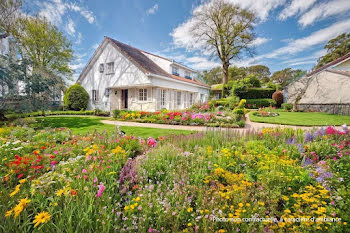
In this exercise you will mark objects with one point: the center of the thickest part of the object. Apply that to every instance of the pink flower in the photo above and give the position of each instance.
(85, 177)
(95, 179)
(101, 188)
(151, 142)
(55, 152)
(84, 171)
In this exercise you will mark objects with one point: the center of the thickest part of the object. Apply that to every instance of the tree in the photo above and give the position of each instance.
(225, 30)
(237, 73)
(262, 72)
(44, 45)
(286, 76)
(76, 97)
(336, 48)
(9, 13)
(213, 76)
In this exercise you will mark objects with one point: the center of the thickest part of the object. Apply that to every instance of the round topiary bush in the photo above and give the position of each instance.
(278, 97)
(76, 97)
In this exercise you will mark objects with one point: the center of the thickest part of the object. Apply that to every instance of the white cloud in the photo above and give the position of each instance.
(302, 63)
(259, 41)
(77, 66)
(295, 7)
(316, 38)
(305, 59)
(152, 10)
(95, 46)
(323, 11)
(70, 28)
(261, 8)
(79, 38)
(55, 9)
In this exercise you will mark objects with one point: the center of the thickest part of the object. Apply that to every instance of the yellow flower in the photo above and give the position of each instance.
(261, 203)
(24, 202)
(189, 210)
(287, 211)
(22, 181)
(8, 213)
(59, 192)
(15, 191)
(222, 231)
(137, 199)
(189, 224)
(285, 198)
(18, 209)
(42, 217)
(126, 207)
(247, 204)
(241, 205)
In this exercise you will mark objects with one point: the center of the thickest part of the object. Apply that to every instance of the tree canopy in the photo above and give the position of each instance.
(286, 76)
(336, 48)
(225, 29)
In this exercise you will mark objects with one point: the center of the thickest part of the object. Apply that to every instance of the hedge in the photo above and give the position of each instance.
(48, 113)
(255, 93)
(258, 103)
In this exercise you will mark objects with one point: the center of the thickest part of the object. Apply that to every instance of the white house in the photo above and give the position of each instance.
(326, 89)
(119, 76)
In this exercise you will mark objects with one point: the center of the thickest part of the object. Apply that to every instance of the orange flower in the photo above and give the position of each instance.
(73, 192)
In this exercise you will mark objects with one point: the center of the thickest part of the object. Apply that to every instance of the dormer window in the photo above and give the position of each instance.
(188, 75)
(175, 71)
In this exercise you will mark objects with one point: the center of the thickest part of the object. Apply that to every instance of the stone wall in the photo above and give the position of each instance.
(340, 109)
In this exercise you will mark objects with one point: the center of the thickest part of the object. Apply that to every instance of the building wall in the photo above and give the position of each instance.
(343, 66)
(125, 74)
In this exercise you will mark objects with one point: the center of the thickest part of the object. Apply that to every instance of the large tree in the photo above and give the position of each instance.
(262, 72)
(45, 46)
(225, 29)
(9, 13)
(336, 48)
(286, 76)
(213, 76)
(237, 73)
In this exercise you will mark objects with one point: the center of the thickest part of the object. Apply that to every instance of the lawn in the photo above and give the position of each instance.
(303, 119)
(84, 125)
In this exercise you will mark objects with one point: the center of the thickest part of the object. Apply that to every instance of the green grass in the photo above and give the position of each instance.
(84, 125)
(303, 119)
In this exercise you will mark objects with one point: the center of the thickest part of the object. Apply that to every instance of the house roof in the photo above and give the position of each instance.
(342, 72)
(330, 64)
(146, 64)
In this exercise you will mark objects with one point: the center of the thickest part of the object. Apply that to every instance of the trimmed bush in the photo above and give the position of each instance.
(259, 103)
(278, 97)
(116, 113)
(254, 93)
(76, 97)
(287, 107)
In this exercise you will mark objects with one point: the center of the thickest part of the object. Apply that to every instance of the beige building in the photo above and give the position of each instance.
(326, 89)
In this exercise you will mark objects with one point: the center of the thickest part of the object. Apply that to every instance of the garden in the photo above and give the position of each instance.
(275, 180)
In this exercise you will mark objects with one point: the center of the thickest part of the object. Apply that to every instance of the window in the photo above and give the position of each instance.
(142, 94)
(178, 98)
(94, 95)
(191, 98)
(110, 68)
(188, 75)
(162, 97)
(175, 71)
(107, 92)
(202, 98)
(101, 68)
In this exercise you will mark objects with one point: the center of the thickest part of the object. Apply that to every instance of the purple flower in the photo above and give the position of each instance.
(308, 137)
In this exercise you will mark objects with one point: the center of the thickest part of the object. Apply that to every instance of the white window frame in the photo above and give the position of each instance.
(143, 94)
(162, 97)
(94, 95)
(110, 68)
(188, 74)
(191, 99)
(178, 98)
(175, 70)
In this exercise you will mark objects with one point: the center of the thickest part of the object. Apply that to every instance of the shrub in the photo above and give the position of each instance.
(99, 112)
(116, 113)
(254, 93)
(287, 107)
(238, 111)
(258, 103)
(278, 97)
(76, 97)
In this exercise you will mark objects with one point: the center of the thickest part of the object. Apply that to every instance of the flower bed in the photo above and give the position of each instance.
(266, 112)
(277, 180)
(214, 119)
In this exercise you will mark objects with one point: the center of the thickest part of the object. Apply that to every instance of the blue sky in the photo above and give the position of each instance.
(289, 33)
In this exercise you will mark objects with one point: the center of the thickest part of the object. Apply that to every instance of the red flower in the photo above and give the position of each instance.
(73, 192)
(20, 176)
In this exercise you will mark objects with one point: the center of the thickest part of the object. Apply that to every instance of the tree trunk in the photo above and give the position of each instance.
(225, 66)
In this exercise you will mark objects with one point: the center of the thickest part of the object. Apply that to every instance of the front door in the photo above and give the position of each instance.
(125, 99)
